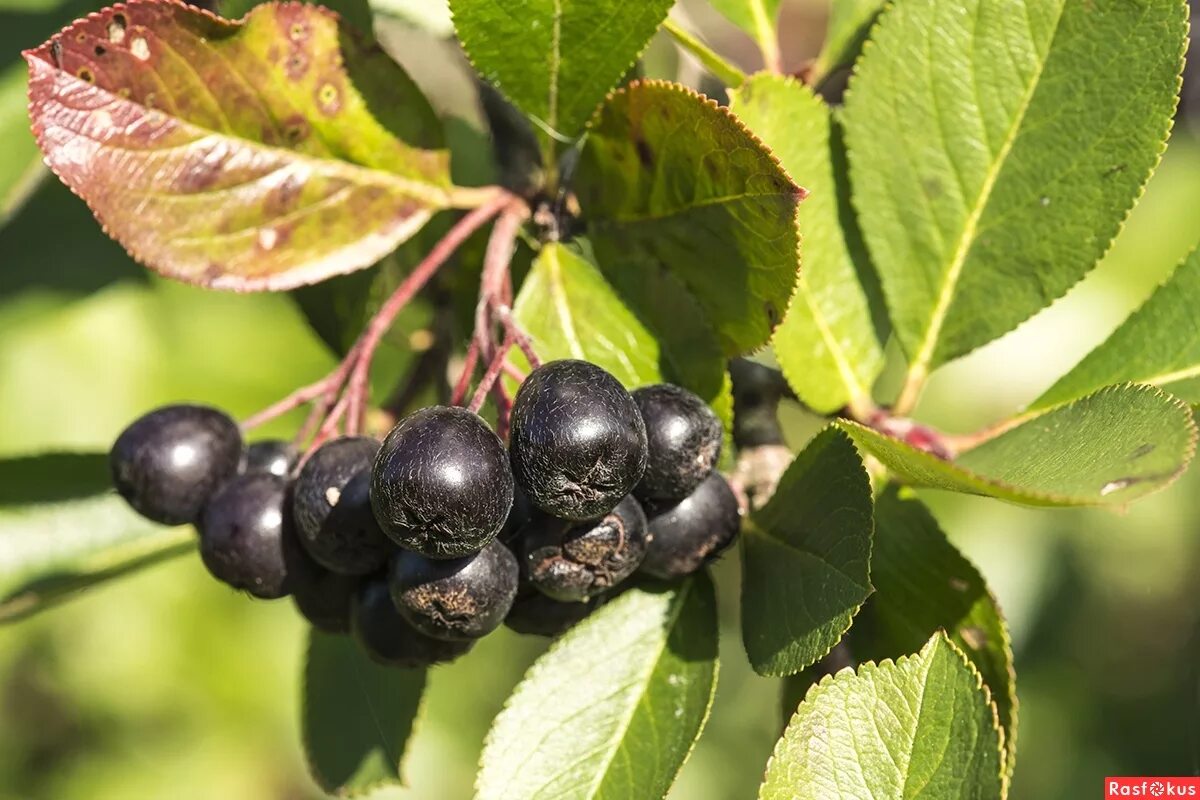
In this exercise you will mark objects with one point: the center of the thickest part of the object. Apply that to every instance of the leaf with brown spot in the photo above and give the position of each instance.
(260, 154)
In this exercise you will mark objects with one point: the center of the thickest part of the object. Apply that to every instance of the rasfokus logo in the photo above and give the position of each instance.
(1143, 786)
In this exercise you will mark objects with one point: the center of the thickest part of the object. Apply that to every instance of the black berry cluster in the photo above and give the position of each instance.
(424, 543)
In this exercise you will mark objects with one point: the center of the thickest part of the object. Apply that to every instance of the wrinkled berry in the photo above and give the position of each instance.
(441, 485)
(331, 499)
(574, 561)
(246, 538)
(686, 535)
(578, 443)
(168, 463)
(684, 441)
(388, 639)
(460, 598)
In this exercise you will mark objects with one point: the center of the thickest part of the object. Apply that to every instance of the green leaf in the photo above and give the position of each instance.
(1159, 344)
(920, 727)
(994, 157)
(262, 154)
(923, 585)
(358, 716)
(673, 184)
(826, 345)
(613, 709)
(21, 168)
(760, 19)
(61, 531)
(1107, 449)
(849, 23)
(556, 59)
(712, 61)
(806, 558)
(570, 311)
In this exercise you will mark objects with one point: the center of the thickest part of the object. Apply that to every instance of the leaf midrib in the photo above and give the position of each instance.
(921, 362)
(614, 744)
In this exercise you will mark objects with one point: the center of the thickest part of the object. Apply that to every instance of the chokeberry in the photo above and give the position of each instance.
(441, 485)
(272, 455)
(168, 463)
(331, 500)
(518, 515)
(684, 438)
(687, 534)
(246, 537)
(577, 560)
(323, 597)
(536, 614)
(460, 598)
(578, 443)
(388, 639)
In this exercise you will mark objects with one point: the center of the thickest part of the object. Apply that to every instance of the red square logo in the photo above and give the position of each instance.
(1151, 787)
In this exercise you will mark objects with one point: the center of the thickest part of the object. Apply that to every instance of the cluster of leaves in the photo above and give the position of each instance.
(983, 160)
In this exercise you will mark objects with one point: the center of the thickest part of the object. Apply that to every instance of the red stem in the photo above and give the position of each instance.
(464, 380)
(493, 372)
(504, 314)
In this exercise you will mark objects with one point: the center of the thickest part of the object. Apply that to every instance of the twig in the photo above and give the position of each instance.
(493, 372)
(464, 379)
(504, 314)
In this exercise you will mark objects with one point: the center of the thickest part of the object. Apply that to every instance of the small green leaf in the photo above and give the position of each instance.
(672, 183)
(994, 156)
(826, 345)
(806, 558)
(923, 585)
(922, 727)
(570, 311)
(358, 716)
(613, 709)
(721, 69)
(1159, 344)
(62, 531)
(1107, 449)
(556, 59)
(262, 154)
(849, 23)
(759, 18)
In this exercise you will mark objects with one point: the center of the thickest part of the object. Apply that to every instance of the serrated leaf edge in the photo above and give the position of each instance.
(1023, 496)
(871, 667)
(750, 527)
(294, 278)
(869, 44)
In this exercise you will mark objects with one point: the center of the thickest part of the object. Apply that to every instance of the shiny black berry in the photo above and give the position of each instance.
(331, 500)
(578, 443)
(323, 597)
(272, 455)
(536, 614)
(441, 485)
(388, 639)
(520, 513)
(684, 438)
(246, 538)
(577, 560)
(686, 535)
(168, 463)
(460, 598)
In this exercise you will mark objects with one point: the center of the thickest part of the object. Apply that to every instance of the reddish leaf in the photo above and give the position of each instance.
(239, 155)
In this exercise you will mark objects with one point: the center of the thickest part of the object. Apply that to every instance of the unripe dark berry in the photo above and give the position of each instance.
(578, 443)
(460, 598)
(573, 561)
(535, 614)
(168, 463)
(388, 639)
(246, 538)
(272, 455)
(331, 500)
(441, 485)
(322, 597)
(686, 535)
(684, 441)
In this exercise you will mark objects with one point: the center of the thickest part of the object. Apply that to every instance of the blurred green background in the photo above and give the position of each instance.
(166, 684)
